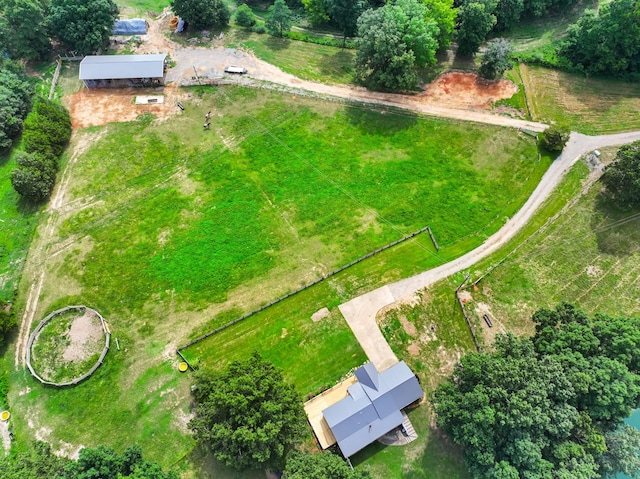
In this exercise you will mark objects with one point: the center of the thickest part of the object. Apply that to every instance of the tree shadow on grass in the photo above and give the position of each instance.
(277, 44)
(207, 467)
(341, 62)
(617, 231)
(380, 120)
(440, 458)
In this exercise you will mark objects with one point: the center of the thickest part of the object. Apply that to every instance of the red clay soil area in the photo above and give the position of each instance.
(95, 107)
(466, 90)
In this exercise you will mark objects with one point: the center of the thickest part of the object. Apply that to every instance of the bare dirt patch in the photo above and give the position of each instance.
(85, 336)
(467, 90)
(99, 106)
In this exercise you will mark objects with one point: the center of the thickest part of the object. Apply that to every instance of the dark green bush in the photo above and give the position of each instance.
(244, 16)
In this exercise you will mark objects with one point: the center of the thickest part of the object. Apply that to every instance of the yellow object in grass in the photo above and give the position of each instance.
(183, 367)
(5, 415)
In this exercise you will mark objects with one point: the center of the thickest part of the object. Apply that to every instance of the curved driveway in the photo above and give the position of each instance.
(361, 312)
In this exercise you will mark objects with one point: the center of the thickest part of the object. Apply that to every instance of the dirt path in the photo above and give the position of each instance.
(35, 266)
(453, 95)
(361, 312)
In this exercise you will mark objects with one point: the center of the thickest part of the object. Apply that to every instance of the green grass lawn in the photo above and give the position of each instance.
(305, 60)
(18, 220)
(143, 6)
(587, 105)
(589, 256)
(171, 230)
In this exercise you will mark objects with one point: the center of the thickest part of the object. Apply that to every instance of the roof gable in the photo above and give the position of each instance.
(372, 407)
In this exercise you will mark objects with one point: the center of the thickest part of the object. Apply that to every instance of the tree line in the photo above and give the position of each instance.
(27, 26)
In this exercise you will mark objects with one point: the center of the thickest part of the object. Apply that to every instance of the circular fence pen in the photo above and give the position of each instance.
(36, 333)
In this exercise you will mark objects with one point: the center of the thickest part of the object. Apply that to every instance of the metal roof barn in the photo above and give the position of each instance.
(96, 69)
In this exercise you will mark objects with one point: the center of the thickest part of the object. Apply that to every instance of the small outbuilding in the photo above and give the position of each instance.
(100, 71)
(373, 406)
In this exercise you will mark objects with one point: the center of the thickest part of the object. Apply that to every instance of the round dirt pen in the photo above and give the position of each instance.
(34, 335)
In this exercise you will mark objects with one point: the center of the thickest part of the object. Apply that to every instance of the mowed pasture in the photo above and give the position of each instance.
(169, 229)
(587, 105)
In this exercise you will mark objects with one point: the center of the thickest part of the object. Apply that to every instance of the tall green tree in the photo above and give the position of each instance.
(546, 406)
(444, 14)
(508, 13)
(326, 465)
(82, 25)
(621, 178)
(392, 41)
(28, 24)
(345, 14)
(475, 20)
(247, 415)
(201, 14)
(623, 452)
(278, 19)
(554, 138)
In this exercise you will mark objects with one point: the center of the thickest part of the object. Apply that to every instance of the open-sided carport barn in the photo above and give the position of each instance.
(98, 71)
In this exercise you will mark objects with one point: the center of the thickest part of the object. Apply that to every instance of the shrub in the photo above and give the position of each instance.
(47, 129)
(554, 138)
(496, 59)
(244, 16)
(32, 183)
(259, 29)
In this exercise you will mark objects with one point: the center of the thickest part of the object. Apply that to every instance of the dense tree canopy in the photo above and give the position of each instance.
(392, 41)
(475, 20)
(345, 14)
(278, 19)
(82, 25)
(16, 91)
(622, 177)
(320, 466)
(547, 406)
(608, 42)
(99, 463)
(247, 414)
(28, 27)
(202, 14)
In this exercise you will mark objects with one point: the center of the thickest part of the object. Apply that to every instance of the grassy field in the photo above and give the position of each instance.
(170, 230)
(589, 256)
(18, 221)
(431, 335)
(587, 105)
(305, 60)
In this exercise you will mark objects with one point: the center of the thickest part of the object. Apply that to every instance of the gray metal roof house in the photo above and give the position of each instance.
(372, 407)
(122, 70)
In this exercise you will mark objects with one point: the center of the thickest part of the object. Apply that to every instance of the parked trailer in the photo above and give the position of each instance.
(238, 70)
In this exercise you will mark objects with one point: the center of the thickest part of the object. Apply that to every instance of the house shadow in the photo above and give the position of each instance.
(617, 231)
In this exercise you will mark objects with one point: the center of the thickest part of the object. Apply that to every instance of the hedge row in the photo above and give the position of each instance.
(46, 132)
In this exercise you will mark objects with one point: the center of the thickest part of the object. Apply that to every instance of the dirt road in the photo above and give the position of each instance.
(454, 95)
(361, 312)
